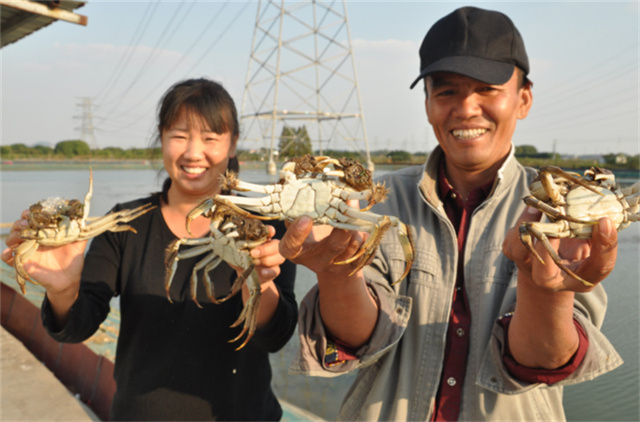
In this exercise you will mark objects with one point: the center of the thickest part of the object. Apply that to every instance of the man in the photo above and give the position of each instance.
(467, 335)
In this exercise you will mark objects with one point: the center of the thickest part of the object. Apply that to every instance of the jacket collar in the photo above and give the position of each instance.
(428, 185)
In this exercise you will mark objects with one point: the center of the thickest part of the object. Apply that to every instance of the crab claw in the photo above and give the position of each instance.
(203, 208)
(547, 181)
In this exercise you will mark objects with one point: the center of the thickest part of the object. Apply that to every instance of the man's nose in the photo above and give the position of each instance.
(468, 106)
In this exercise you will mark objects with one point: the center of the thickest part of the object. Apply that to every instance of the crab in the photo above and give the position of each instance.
(320, 187)
(231, 240)
(56, 221)
(574, 204)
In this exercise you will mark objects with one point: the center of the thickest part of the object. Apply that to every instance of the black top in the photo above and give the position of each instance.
(173, 360)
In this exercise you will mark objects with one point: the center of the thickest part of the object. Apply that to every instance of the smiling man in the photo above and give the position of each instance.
(478, 330)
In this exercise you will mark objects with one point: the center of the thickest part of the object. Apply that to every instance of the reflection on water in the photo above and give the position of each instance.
(613, 396)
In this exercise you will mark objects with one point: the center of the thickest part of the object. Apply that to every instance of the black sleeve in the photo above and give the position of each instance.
(100, 281)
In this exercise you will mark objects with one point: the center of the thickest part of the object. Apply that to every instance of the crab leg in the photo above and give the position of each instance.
(254, 204)
(87, 198)
(550, 187)
(173, 255)
(110, 222)
(241, 186)
(553, 212)
(249, 314)
(21, 255)
(237, 285)
(527, 229)
(377, 232)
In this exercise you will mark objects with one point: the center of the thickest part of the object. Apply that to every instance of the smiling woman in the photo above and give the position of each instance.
(173, 359)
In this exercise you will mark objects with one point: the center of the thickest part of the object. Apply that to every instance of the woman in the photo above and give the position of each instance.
(173, 360)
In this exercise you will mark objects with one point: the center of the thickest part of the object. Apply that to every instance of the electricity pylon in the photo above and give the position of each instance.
(86, 123)
(301, 69)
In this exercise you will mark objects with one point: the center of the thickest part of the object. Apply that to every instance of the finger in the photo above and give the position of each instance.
(7, 256)
(604, 252)
(14, 239)
(292, 241)
(348, 245)
(512, 247)
(267, 255)
(267, 274)
(548, 273)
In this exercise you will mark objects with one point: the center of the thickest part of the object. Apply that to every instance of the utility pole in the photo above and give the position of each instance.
(86, 125)
(301, 69)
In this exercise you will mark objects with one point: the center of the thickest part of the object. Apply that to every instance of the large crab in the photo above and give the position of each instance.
(231, 240)
(574, 204)
(57, 221)
(320, 187)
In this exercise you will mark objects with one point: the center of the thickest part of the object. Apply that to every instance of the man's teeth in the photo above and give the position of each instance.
(468, 133)
(194, 170)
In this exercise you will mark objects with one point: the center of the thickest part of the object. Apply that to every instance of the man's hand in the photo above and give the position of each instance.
(592, 259)
(348, 311)
(320, 247)
(542, 333)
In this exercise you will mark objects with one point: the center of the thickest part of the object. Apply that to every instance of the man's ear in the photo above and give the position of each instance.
(526, 100)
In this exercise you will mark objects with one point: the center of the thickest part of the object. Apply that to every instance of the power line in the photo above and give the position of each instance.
(124, 59)
(209, 25)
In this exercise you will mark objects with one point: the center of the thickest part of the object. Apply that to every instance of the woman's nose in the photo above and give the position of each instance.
(195, 148)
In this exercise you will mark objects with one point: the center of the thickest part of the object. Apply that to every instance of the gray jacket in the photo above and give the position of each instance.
(400, 366)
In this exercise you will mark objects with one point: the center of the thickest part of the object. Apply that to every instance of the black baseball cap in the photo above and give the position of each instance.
(481, 44)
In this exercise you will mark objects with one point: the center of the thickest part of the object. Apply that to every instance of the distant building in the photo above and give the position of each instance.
(621, 159)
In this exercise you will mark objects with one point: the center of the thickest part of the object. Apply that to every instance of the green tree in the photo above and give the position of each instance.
(5, 152)
(43, 151)
(526, 150)
(72, 148)
(294, 142)
(20, 149)
(609, 158)
(399, 156)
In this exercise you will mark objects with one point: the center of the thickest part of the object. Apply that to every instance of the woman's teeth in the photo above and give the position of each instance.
(194, 170)
(468, 133)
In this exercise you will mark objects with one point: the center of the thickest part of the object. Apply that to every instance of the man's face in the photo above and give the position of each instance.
(474, 121)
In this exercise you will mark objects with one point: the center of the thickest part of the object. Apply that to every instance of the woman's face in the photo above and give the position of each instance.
(194, 156)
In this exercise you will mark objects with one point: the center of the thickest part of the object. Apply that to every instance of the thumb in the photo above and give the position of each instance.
(292, 241)
(604, 251)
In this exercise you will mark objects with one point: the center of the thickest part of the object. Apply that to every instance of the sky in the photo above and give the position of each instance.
(583, 56)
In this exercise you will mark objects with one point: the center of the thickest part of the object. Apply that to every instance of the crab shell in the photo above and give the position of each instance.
(589, 207)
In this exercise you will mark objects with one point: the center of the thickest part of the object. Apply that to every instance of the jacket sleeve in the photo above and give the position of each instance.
(279, 330)
(393, 316)
(600, 357)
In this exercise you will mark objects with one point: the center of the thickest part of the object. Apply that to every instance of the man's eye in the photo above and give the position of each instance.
(445, 93)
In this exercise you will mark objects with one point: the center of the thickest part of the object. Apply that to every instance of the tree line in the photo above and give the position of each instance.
(75, 149)
(295, 142)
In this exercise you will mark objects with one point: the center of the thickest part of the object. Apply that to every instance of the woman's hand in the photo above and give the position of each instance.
(57, 268)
